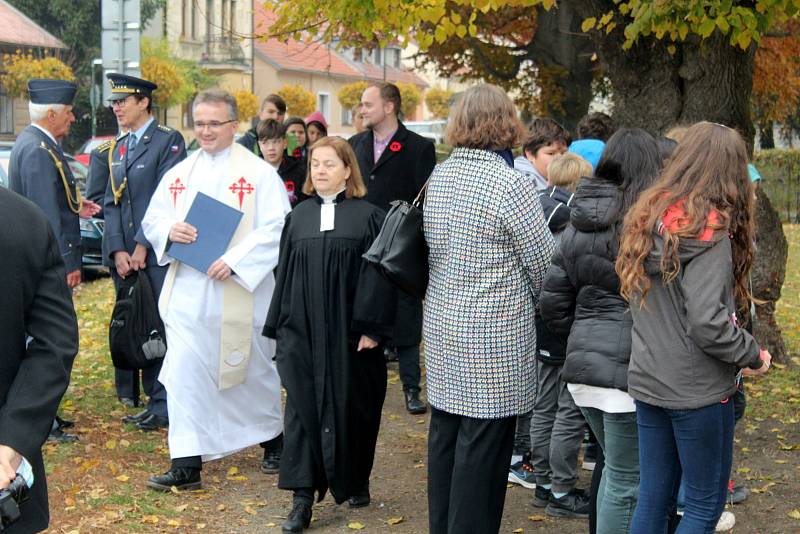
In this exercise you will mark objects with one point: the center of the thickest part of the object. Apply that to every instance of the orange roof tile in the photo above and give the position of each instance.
(17, 29)
(318, 57)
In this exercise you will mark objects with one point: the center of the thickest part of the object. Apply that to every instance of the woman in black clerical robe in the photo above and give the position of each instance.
(329, 312)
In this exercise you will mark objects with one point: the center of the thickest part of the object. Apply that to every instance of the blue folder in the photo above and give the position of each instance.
(216, 223)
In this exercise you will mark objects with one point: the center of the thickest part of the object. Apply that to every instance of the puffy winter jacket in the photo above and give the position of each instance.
(580, 296)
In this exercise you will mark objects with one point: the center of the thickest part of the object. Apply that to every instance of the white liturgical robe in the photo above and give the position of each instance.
(204, 418)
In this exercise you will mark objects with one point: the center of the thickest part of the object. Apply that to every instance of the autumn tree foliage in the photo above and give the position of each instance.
(300, 101)
(410, 98)
(349, 94)
(22, 66)
(247, 103)
(178, 79)
(776, 81)
(438, 101)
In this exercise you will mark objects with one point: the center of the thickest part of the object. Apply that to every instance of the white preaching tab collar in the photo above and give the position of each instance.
(327, 211)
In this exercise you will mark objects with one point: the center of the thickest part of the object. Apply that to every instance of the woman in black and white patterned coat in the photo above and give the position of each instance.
(489, 250)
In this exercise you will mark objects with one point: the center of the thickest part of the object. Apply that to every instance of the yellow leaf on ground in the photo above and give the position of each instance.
(150, 519)
(518, 531)
(220, 508)
(355, 525)
(233, 471)
(536, 517)
(124, 443)
(111, 444)
(181, 508)
(200, 526)
(794, 514)
(394, 520)
(174, 523)
(743, 470)
(250, 511)
(270, 525)
(123, 478)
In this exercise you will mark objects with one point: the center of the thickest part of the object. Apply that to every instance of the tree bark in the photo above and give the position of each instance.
(768, 274)
(559, 43)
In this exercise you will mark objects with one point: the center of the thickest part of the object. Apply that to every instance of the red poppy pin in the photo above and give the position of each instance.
(395, 146)
(122, 149)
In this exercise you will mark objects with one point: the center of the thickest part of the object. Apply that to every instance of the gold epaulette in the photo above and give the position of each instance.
(105, 145)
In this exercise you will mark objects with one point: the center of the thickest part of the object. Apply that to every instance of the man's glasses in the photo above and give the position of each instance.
(212, 125)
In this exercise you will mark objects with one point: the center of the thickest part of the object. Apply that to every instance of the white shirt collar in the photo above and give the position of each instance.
(46, 131)
(217, 158)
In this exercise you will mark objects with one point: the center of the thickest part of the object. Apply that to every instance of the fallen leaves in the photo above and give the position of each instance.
(355, 525)
(394, 520)
(794, 514)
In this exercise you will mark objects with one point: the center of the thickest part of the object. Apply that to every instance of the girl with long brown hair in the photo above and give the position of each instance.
(683, 265)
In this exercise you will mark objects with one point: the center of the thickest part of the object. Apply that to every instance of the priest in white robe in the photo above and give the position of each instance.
(221, 381)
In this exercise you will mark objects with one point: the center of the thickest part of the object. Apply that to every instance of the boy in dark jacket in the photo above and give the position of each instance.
(557, 425)
(272, 144)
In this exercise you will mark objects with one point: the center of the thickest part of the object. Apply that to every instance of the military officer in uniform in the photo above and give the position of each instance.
(38, 170)
(137, 160)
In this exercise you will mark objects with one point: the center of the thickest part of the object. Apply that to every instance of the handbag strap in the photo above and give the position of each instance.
(421, 195)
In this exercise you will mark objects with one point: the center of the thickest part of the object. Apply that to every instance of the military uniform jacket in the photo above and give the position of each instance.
(97, 180)
(33, 174)
(34, 374)
(399, 174)
(159, 149)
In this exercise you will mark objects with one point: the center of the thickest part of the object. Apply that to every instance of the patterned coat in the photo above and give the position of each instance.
(489, 250)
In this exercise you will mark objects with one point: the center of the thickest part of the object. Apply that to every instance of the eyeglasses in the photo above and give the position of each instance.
(212, 125)
(119, 103)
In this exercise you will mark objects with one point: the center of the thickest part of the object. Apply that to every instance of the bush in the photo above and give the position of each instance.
(22, 66)
(780, 173)
(247, 104)
(349, 95)
(300, 102)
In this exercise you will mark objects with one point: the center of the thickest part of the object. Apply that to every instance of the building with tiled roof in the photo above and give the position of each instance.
(18, 32)
(322, 70)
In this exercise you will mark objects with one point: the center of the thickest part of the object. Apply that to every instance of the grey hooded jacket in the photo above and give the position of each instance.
(686, 344)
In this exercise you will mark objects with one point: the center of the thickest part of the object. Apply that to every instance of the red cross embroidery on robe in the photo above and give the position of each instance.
(176, 188)
(240, 187)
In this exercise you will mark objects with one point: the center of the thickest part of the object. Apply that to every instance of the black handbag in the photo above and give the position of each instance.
(400, 251)
(136, 334)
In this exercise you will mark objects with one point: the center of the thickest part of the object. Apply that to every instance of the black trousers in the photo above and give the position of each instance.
(408, 362)
(467, 472)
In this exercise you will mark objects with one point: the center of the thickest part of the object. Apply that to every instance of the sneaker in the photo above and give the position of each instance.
(541, 497)
(522, 473)
(574, 504)
(737, 494)
(589, 457)
(726, 522)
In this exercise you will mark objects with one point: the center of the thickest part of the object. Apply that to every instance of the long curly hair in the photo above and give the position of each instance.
(707, 171)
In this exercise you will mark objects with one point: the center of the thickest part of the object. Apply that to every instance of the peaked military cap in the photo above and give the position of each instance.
(42, 91)
(123, 85)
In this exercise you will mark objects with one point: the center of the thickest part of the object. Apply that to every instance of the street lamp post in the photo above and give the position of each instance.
(94, 96)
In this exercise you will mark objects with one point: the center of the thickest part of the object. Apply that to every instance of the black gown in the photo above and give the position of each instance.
(326, 296)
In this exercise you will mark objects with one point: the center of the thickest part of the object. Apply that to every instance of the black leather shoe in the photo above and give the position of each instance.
(359, 501)
(390, 353)
(136, 418)
(182, 478)
(271, 463)
(59, 436)
(127, 401)
(414, 404)
(64, 423)
(299, 518)
(152, 422)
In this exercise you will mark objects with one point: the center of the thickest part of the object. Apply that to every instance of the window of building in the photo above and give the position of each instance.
(224, 19)
(377, 56)
(232, 24)
(193, 8)
(6, 113)
(347, 116)
(324, 104)
(186, 114)
(393, 57)
(184, 18)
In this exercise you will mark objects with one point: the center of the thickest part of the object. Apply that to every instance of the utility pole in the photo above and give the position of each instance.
(120, 38)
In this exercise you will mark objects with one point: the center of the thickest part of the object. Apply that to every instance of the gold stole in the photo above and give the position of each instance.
(237, 302)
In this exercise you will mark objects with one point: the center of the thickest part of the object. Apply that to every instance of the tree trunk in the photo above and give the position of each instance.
(766, 135)
(705, 79)
(769, 271)
(558, 42)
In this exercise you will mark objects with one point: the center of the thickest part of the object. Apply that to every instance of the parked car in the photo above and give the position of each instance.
(91, 229)
(433, 130)
(86, 150)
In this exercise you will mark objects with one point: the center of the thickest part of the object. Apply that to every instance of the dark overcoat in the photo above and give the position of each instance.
(399, 174)
(39, 340)
(159, 149)
(33, 173)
